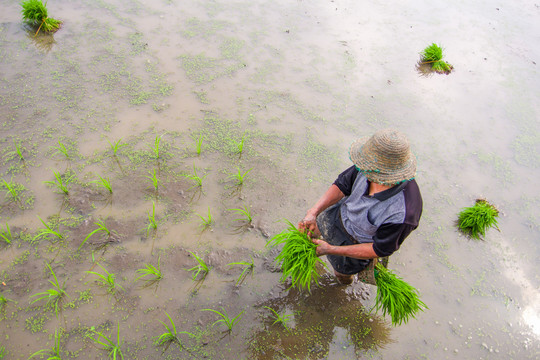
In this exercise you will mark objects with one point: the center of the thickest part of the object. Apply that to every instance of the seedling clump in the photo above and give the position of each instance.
(475, 220)
(433, 55)
(298, 258)
(396, 297)
(35, 13)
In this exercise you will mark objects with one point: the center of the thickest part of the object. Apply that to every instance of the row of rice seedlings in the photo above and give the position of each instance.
(226, 318)
(48, 232)
(475, 220)
(248, 269)
(35, 13)
(61, 183)
(53, 295)
(6, 235)
(283, 319)
(396, 297)
(298, 258)
(201, 268)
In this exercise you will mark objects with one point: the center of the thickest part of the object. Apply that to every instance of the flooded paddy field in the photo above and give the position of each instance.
(189, 110)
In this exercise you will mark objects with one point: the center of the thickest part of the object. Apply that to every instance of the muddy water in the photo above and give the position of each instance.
(298, 82)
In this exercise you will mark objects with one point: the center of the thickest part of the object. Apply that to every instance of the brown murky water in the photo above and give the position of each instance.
(297, 82)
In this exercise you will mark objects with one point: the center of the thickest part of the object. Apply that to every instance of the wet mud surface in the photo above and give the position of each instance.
(171, 102)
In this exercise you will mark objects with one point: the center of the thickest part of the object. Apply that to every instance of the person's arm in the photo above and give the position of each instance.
(358, 251)
(329, 198)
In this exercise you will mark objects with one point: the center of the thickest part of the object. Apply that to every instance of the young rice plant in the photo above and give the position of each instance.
(152, 271)
(475, 220)
(101, 228)
(51, 354)
(298, 258)
(48, 232)
(248, 268)
(6, 235)
(108, 280)
(53, 295)
(171, 336)
(396, 297)
(280, 318)
(113, 348)
(200, 268)
(226, 319)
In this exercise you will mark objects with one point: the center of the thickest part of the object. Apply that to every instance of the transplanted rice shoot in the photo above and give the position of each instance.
(475, 220)
(395, 297)
(298, 258)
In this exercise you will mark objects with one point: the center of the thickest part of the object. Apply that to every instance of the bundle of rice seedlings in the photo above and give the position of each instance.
(475, 220)
(433, 55)
(298, 258)
(34, 12)
(395, 297)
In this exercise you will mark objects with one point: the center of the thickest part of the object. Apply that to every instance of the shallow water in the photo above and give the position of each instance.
(298, 82)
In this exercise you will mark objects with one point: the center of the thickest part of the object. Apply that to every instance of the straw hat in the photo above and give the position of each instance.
(384, 158)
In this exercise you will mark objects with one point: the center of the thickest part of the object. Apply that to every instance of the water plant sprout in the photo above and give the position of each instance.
(114, 348)
(396, 297)
(35, 12)
(47, 232)
(298, 257)
(248, 268)
(152, 271)
(280, 318)
(200, 268)
(475, 220)
(53, 295)
(171, 336)
(108, 280)
(433, 55)
(52, 353)
(226, 319)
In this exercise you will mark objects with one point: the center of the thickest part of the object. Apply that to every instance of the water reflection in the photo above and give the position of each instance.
(332, 314)
(44, 42)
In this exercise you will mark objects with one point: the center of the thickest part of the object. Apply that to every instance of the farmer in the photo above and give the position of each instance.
(371, 207)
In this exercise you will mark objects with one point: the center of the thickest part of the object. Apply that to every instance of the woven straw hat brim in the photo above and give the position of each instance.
(380, 167)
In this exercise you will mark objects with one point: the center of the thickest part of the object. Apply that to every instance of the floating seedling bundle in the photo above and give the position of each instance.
(35, 13)
(475, 220)
(396, 297)
(298, 258)
(433, 55)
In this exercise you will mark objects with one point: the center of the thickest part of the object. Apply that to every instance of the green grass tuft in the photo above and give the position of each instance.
(298, 258)
(475, 220)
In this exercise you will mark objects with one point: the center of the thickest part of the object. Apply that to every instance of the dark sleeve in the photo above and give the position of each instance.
(389, 237)
(346, 179)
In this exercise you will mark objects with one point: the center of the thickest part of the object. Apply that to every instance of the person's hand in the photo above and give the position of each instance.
(308, 224)
(323, 248)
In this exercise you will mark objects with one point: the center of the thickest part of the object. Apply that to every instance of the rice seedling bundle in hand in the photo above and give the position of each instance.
(475, 220)
(433, 55)
(298, 258)
(35, 13)
(395, 297)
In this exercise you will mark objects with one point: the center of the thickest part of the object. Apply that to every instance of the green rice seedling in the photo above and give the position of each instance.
(206, 222)
(51, 353)
(61, 149)
(53, 295)
(248, 268)
(61, 182)
(280, 318)
(6, 235)
(475, 220)
(171, 336)
(102, 228)
(13, 190)
(433, 55)
(156, 148)
(199, 144)
(2, 352)
(150, 270)
(116, 146)
(200, 268)
(153, 222)
(104, 183)
(239, 146)
(108, 280)
(195, 178)
(239, 178)
(396, 297)
(35, 13)
(114, 348)
(298, 258)
(226, 319)
(48, 232)
(154, 179)
(3, 302)
(244, 214)
(17, 152)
